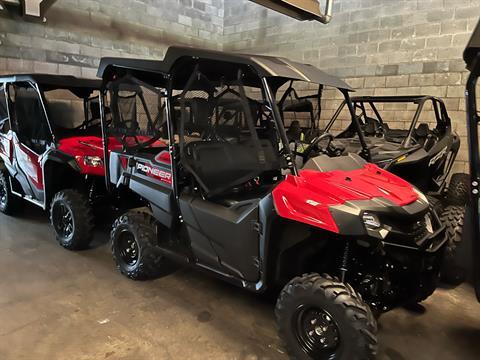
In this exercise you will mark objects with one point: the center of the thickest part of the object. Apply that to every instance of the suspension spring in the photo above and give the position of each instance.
(344, 267)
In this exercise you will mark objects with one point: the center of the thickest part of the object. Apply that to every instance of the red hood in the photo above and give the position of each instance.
(308, 197)
(85, 146)
(82, 146)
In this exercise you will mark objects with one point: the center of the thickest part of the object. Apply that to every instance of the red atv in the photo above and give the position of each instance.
(51, 151)
(344, 239)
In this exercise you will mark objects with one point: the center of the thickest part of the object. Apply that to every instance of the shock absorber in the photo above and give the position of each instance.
(346, 255)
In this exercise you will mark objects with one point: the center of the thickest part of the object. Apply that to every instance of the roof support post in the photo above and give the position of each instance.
(365, 150)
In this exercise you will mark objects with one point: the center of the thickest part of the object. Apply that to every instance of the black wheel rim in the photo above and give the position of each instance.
(127, 248)
(3, 193)
(63, 220)
(317, 332)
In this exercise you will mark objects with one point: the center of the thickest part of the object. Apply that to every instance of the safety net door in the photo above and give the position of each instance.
(5, 133)
(32, 137)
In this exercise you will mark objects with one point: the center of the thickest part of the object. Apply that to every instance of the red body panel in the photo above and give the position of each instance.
(79, 147)
(30, 164)
(307, 198)
(164, 157)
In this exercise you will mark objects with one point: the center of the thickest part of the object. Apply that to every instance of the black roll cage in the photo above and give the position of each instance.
(40, 83)
(441, 114)
(265, 72)
(169, 84)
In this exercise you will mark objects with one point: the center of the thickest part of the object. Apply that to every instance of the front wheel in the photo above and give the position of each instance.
(134, 246)
(9, 203)
(72, 219)
(322, 318)
(453, 272)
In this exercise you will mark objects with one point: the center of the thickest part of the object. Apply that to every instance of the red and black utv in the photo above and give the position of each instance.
(471, 56)
(344, 239)
(51, 151)
(410, 136)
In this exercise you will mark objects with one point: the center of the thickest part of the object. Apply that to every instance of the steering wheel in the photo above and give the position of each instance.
(211, 134)
(313, 146)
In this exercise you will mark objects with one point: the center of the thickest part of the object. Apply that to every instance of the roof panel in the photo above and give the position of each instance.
(78, 86)
(265, 66)
(473, 47)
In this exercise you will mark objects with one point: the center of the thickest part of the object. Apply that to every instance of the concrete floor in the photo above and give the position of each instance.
(56, 304)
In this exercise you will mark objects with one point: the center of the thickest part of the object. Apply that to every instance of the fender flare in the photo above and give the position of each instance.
(61, 159)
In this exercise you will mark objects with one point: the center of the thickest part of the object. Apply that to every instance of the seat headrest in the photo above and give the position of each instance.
(95, 110)
(201, 111)
(295, 124)
(422, 130)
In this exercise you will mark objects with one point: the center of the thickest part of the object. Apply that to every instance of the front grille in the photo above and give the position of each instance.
(410, 232)
(416, 230)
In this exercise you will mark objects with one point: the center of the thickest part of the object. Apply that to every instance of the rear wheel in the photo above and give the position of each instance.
(453, 218)
(458, 192)
(322, 318)
(134, 246)
(9, 203)
(72, 219)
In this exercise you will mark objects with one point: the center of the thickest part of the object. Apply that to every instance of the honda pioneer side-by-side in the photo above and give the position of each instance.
(219, 190)
(410, 136)
(51, 151)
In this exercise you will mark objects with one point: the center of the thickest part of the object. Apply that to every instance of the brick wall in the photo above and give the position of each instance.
(78, 32)
(380, 47)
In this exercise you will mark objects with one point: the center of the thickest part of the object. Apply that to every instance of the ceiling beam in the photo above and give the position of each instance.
(300, 9)
(28, 9)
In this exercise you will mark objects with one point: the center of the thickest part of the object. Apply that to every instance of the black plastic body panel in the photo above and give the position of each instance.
(149, 179)
(231, 232)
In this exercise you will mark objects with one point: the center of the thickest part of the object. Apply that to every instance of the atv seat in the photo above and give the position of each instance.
(372, 126)
(424, 136)
(294, 133)
(394, 135)
(198, 112)
(324, 163)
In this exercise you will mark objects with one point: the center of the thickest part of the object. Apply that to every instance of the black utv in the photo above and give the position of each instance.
(421, 149)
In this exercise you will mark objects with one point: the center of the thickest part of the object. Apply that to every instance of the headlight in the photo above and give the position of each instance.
(421, 195)
(93, 161)
(371, 221)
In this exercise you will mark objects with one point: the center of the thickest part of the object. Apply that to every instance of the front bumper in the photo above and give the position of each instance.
(415, 235)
